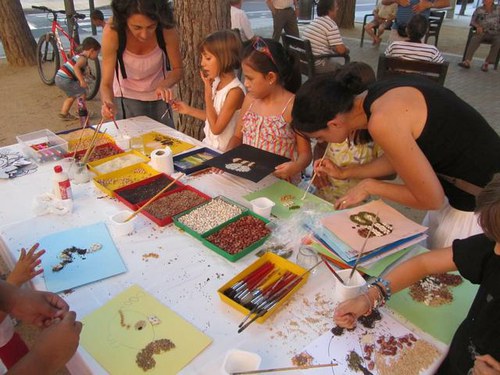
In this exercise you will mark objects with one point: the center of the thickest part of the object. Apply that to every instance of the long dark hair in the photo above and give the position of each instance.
(284, 65)
(158, 10)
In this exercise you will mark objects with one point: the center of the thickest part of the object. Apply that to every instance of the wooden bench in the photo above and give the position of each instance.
(393, 66)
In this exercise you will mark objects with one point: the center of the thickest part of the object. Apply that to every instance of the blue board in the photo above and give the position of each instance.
(83, 268)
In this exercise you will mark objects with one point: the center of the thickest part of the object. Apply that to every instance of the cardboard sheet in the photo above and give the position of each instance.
(93, 265)
(115, 333)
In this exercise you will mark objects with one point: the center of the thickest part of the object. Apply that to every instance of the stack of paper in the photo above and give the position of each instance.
(344, 232)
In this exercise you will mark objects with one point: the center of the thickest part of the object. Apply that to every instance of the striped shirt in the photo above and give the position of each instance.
(414, 51)
(323, 33)
(67, 71)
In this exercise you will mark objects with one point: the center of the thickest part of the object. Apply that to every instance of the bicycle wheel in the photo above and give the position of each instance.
(48, 60)
(93, 78)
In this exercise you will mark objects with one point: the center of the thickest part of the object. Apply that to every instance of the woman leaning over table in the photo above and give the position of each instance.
(141, 60)
(427, 133)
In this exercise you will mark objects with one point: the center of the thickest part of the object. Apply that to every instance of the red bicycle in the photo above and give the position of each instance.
(50, 50)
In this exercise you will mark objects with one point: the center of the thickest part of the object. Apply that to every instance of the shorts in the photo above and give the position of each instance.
(71, 88)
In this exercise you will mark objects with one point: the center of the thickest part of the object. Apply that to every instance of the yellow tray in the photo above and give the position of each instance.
(281, 264)
(110, 182)
(154, 140)
(84, 145)
(93, 166)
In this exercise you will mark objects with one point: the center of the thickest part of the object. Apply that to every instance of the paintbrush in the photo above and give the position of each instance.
(279, 369)
(242, 284)
(98, 138)
(315, 173)
(332, 270)
(153, 199)
(362, 248)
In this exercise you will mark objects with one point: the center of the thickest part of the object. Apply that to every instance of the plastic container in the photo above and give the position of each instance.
(110, 182)
(119, 226)
(43, 146)
(62, 185)
(117, 162)
(350, 289)
(262, 206)
(194, 161)
(237, 360)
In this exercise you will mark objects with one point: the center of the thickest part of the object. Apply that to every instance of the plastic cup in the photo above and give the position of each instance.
(239, 360)
(351, 288)
(118, 224)
(123, 142)
(307, 257)
(262, 206)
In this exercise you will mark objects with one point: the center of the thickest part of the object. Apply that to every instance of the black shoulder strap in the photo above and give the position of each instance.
(161, 43)
(122, 42)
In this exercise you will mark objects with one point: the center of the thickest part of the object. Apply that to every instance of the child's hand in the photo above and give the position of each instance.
(25, 268)
(286, 170)
(83, 84)
(486, 365)
(180, 106)
(321, 181)
(206, 81)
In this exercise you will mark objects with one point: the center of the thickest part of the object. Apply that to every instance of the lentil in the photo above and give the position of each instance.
(144, 358)
(303, 359)
(210, 215)
(174, 203)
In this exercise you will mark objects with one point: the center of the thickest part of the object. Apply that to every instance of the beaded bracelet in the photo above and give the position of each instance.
(380, 300)
(387, 287)
(370, 304)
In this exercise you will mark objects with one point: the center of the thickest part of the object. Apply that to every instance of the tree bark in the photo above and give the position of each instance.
(196, 19)
(345, 14)
(17, 40)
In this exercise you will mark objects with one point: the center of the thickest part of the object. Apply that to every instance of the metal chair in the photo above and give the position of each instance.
(394, 66)
(472, 31)
(436, 18)
(301, 48)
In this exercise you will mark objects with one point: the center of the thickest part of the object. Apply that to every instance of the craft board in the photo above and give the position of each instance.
(112, 336)
(280, 190)
(194, 161)
(345, 225)
(155, 140)
(84, 269)
(248, 162)
(330, 348)
(439, 321)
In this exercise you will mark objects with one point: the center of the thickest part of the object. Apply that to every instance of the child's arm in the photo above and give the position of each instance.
(185, 109)
(232, 103)
(486, 364)
(304, 157)
(25, 268)
(401, 277)
(81, 63)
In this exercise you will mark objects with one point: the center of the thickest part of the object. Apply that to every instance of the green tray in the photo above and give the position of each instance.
(195, 234)
(245, 251)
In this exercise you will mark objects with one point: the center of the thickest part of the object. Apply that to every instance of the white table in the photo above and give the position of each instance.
(185, 277)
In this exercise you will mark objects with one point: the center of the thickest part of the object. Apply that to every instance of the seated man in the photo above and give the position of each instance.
(384, 15)
(324, 36)
(239, 20)
(413, 48)
(97, 18)
(486, 20)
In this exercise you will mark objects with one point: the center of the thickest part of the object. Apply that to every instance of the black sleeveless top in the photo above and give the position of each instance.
(456, 139)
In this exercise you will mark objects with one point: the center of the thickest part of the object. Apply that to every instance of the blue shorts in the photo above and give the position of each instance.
(71, 88)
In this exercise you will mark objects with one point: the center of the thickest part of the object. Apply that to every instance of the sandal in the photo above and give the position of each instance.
(464, 64)
(484, 68)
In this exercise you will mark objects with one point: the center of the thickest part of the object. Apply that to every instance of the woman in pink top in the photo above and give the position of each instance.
(141, 60)
(271, 77)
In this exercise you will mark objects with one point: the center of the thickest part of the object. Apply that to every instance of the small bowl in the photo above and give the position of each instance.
(123, 142)
(239, 360)
(118, 224)
(352, 289)
(262, 206)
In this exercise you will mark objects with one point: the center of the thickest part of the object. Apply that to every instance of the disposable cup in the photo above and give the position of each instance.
(118, 224)
(262, 206)
(239, 360)
(123, 142)
(351, 288)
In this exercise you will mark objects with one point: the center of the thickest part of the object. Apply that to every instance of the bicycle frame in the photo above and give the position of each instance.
(56, 28)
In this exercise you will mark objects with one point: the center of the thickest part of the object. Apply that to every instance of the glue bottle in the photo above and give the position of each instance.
(62, 186)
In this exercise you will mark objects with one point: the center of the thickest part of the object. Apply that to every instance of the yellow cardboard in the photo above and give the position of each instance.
(281, 264)
(154, 140)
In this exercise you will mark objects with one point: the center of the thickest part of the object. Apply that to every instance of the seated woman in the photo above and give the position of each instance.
(413, 48)
(443, 150)
(324, 35)
(486, 20)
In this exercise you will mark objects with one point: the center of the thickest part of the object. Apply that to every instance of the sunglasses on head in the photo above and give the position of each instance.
(261, 46)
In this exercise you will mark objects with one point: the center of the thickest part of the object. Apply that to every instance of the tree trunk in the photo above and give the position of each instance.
(17, 40)
(345, 14)
(195, 20)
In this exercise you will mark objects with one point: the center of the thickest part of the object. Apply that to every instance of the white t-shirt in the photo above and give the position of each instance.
(220, 141)
(323, 33)
(239, 20)
(414, 51)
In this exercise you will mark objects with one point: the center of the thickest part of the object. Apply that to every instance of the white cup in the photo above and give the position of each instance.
(123, 142)
(118, 224)
(351, 288)
(262, 206)
(239, 360)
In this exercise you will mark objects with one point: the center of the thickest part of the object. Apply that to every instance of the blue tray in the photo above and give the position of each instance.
(194, 161)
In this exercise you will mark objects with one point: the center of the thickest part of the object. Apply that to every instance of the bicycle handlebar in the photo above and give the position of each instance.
(54, 12)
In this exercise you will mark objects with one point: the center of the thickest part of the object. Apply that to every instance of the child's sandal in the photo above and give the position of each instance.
(484, 68)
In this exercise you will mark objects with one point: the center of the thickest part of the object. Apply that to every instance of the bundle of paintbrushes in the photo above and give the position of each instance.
(93, 143)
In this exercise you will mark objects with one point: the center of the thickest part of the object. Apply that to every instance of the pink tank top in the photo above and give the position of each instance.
(144, 73)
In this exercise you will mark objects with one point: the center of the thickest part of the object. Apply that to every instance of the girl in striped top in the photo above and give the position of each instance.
(69, 77)
(271, 78)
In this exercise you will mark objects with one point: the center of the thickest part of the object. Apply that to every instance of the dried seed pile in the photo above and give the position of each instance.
(68, 255)
(434, 290)
(239, 235)
(369, 320)
(147, 191)
(103, 151)
(144, 358)
(118, 163)
(136, 175)
(303, 359)
(174, 203)
(210, 215)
